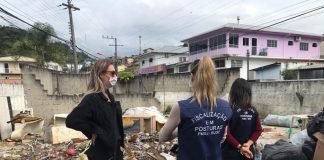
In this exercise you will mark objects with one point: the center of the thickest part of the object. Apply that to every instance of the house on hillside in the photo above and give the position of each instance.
(10, 68)
(230, 44)
(156, 60)
(53, 66)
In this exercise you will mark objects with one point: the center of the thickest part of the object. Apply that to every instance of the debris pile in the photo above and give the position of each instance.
(139, 146)
(145, 146)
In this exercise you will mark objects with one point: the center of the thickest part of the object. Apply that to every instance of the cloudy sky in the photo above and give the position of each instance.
(158, 22)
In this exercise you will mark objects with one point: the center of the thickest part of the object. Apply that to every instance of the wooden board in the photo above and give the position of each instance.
(147, 123)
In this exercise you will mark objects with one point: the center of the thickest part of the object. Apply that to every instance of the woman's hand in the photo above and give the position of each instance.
(248, 144)
(93, 139)
(246, 152)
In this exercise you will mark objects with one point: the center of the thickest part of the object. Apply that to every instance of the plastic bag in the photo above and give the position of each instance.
(280, 121)
(300, 137)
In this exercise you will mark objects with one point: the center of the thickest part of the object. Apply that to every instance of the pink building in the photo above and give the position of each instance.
(228, 46)
(236, 39)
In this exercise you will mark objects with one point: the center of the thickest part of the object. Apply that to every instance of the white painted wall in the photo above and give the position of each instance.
(253, 63)
(13, 67)
(2, 70)
(256, 63)
(16, 94)
(159, 58)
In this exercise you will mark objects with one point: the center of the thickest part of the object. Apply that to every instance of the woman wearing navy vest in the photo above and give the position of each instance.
(244, 127)
(200, 121)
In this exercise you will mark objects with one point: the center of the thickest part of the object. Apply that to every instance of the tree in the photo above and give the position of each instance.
(39, 40)
(36, 44)
(125, 76)
(289, 74)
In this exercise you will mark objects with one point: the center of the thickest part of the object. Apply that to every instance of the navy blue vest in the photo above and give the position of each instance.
(201, 130)
(243, 124)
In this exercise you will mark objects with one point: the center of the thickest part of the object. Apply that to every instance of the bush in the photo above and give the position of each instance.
(126, 75)
(289, 74)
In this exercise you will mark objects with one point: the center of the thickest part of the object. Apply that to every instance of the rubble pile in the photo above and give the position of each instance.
(33, 147)
(145, 146)
(138, 146)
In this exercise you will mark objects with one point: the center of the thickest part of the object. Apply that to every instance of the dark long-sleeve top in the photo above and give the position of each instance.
(96, 115)
(254, 137)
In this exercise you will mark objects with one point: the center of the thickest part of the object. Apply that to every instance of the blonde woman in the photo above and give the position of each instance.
(200, 121)
(99, 116)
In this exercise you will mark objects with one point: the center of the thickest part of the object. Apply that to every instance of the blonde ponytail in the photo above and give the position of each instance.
(205, 82)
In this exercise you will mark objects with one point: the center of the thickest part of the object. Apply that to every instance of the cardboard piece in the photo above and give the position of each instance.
(60, 134)
(319, 154)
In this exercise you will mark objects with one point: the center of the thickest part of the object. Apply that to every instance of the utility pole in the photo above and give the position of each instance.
(140, 49)
(70, 6)
(247, 63)
(115, 59)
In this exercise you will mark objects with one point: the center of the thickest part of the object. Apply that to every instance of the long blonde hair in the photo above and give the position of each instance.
(96, 84)
(204, 82)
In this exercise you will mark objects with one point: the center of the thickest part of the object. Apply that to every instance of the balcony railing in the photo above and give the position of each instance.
(259, 51)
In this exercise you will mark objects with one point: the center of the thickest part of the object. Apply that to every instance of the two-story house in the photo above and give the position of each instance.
(230, 44)
(156, 60)
(10, 72)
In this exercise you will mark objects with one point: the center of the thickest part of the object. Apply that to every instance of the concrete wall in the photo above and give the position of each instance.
(281, 97)
(57, 83)
(158, 90)
(72, 88)
(69, 84)
(288, 97)
(137, 100)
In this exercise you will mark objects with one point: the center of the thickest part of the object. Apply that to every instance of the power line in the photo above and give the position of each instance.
(221, 9)
(282, 21)
(50, 34)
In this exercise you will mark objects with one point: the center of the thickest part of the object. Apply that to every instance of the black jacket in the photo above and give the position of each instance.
(95, 115)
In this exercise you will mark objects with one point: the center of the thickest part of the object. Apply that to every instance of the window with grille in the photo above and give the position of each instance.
(303, 46)
(183, 68)
(233, 40)
(217, 42)
(198, 47)
(272, 43)
(245, 41)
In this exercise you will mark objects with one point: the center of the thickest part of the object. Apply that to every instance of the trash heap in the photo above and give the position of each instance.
(139, 146)
(145, 146)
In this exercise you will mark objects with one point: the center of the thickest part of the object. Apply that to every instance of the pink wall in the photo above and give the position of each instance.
(283, 50)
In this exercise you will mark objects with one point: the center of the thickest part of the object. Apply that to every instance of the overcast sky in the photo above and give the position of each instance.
(159, 22)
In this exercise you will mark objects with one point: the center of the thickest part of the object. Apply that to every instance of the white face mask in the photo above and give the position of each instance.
(113, 81)
(190, 83)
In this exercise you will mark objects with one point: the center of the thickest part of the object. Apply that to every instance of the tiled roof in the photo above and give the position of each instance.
(16, 58)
